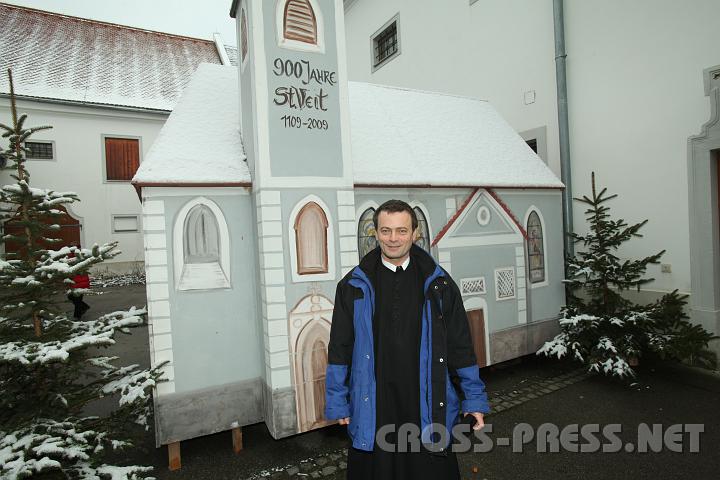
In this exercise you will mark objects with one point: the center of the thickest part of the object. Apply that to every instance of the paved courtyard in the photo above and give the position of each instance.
(531, 391)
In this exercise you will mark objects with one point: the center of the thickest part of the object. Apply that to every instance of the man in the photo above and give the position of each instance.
(400, 354)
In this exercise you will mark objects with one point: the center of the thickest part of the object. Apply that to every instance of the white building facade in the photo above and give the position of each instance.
(108, 210)
(106, 90)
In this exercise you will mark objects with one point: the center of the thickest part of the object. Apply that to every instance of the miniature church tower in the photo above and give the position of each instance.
(295, 129)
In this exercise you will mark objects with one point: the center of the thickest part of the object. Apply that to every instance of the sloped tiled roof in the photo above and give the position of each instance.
(72, 59)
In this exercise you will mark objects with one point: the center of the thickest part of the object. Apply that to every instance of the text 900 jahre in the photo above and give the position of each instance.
(304, 96)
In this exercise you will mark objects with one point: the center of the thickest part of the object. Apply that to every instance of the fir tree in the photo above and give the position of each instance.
(596, 269)
(600, 326)
(47, 374)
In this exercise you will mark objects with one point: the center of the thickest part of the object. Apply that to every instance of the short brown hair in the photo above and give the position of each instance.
(395, 206)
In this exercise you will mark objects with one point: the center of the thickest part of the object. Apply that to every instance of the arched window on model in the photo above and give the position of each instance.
(201, 236)
(299, 22)
(536, 250)
(424, 240)
(201, 247)
(311, 230)
(366, 233)
(243, 35)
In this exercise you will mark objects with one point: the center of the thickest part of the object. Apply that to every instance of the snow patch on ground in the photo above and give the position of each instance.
(119, 280)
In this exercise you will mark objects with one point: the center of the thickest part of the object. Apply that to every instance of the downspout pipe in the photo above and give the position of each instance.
(563, 126)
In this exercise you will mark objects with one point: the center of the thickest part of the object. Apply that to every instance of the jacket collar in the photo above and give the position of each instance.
(428, 268)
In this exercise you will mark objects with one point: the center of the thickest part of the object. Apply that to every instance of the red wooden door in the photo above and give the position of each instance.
(476, 320)
(69, 233)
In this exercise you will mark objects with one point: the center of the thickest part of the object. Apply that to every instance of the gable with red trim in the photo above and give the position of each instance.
(483, 219)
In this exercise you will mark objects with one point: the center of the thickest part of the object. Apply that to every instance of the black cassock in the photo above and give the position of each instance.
(396, 335)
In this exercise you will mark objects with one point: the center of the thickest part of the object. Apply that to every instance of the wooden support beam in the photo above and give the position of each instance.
(237, 439)
(174, 456)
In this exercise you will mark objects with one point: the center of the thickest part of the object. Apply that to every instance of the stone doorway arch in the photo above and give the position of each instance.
(704, 204)
(309, 331)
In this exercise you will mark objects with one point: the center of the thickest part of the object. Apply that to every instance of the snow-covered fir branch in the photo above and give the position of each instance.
(48, 445)
(82, 334)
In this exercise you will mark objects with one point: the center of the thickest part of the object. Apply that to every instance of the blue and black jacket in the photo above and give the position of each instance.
(449, 375)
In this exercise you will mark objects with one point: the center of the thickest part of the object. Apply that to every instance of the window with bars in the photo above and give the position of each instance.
(299, 22)
(39, 150)
(122, 158)
(386, 43)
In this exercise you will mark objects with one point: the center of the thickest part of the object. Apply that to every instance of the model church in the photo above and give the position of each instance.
(258, 197)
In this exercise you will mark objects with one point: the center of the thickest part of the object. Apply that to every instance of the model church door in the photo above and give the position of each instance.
(319, 365)
(309, 330)
(476, 320)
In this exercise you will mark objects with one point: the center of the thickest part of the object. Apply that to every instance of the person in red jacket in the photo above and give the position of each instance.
(80, 282)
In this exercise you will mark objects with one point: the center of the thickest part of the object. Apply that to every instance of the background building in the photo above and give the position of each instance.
(641, 80)
(107, 90)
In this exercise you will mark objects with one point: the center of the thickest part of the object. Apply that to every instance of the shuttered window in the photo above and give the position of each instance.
(122, 158)
(299, 22)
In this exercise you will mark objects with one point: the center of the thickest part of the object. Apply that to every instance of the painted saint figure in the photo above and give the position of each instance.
(398, 326)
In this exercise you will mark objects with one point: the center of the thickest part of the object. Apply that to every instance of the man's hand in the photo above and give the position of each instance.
(479, 422)
(344, 421)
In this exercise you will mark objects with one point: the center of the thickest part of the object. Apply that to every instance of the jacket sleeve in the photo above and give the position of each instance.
(461, 356)
(340, 352)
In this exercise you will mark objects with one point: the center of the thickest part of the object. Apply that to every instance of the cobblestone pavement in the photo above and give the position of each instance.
(332, 466)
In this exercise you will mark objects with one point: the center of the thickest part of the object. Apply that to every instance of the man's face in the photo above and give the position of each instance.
(395, 235)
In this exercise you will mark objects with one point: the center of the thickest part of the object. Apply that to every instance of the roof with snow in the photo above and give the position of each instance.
(200, 142)
(399, 137)
(410, 137)
(72, 59)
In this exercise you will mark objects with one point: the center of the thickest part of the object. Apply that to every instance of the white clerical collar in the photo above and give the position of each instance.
(394, 267)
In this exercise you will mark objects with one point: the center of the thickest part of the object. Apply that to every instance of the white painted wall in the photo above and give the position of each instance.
(636, 95)
(78, 135)
(635, 90)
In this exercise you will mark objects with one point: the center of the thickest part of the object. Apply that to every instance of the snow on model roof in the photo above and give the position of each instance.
(399, 137)
(72, 59)
(200, 142)
(410, 137)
